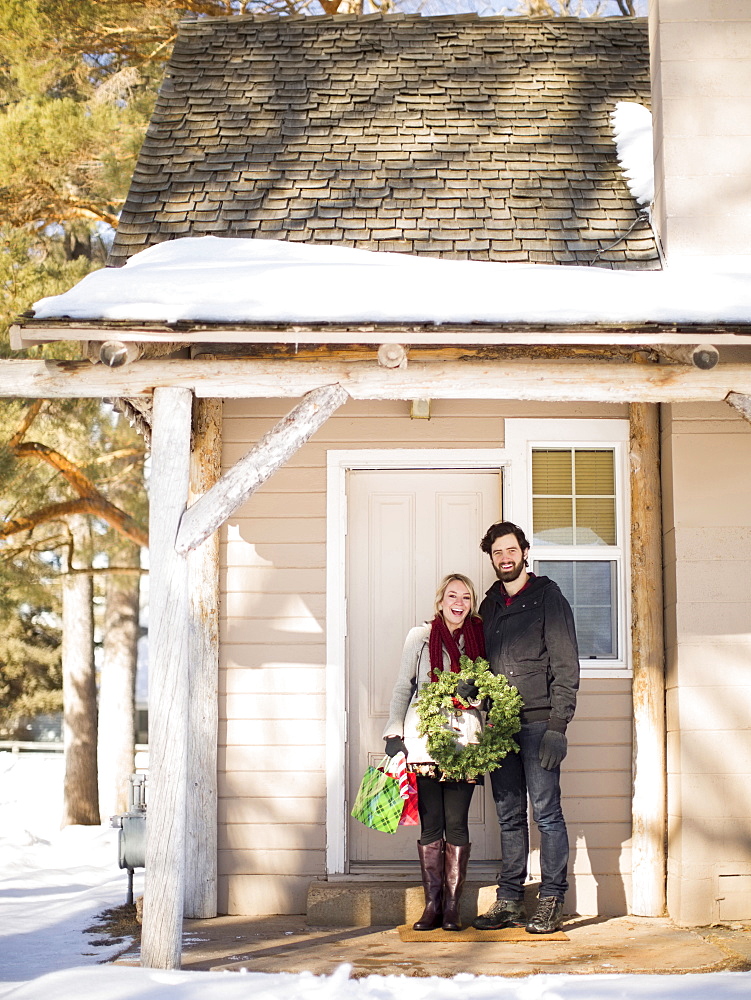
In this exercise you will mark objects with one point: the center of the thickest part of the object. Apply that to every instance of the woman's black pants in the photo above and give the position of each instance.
(444, 810)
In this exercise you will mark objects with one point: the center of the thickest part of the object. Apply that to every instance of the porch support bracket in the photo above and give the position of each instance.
(649, 808)
(272, 451)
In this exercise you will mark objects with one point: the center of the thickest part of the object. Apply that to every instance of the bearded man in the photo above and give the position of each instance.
(530, 638)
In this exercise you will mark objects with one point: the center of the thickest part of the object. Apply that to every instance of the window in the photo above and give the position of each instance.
(573, 496)
(569, 494)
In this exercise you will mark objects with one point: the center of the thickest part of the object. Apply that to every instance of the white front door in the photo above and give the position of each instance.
(406, 530)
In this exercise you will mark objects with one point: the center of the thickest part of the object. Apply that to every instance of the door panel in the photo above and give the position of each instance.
(406, 530)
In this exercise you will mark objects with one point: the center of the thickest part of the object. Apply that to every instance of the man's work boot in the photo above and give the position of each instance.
(503, 913)
(431, 865)
(455, 860)
(547, 918)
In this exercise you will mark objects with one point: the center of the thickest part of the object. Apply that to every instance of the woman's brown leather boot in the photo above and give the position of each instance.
(431, 864)
(454, 874)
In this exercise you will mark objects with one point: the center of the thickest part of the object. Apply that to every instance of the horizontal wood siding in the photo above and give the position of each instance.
(272, 755)
(596, 783)
(707, 520)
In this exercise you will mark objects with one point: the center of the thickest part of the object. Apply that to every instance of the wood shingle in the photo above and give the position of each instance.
(464, 137)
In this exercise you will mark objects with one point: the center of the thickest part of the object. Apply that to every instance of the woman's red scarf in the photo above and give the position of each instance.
(441, 638)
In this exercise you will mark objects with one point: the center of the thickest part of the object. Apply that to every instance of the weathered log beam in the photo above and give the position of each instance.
(272, 451)
(392, 355)
(740, 402)
(704, 356)
(532, 380)
(161, 940)
(115, 353)
(203, 671)
(648, 805)
(423, 352)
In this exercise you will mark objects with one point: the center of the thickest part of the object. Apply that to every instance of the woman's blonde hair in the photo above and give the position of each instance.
(462, 579)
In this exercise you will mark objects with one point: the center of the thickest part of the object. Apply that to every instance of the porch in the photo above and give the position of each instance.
(595, 945)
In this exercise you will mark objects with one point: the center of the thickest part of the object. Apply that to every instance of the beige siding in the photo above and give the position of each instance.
(707, 472)
(272, 756)
(701, 77)
(596, 782)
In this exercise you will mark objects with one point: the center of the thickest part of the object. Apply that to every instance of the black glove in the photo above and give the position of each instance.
(552, 749)
(393, 745)
(467, 690)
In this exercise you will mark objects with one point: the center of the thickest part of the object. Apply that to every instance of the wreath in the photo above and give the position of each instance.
(437, 701)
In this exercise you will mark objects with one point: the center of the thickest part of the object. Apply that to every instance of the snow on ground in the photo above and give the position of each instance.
(213, 279)
(52, 882)
(144, 984)
(52, 885)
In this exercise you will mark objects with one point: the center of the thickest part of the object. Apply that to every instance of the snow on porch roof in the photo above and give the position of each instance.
(215, 280)
(475, 138)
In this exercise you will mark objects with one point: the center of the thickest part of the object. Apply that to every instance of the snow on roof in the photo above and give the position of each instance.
(632, 129)
(212, 279)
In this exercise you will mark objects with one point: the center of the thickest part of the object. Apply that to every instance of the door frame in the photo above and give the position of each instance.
(338, 464)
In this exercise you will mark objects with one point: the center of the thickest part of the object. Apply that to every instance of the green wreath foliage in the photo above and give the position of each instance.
(435, 703)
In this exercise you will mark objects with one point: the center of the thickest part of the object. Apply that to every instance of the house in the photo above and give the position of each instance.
(483, 139)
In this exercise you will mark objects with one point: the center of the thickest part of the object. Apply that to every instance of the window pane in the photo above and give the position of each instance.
(587, 476)
(594, 632)
(553, 521)
(595, 521)
(595, 472)
(551, 473)
(589, 587)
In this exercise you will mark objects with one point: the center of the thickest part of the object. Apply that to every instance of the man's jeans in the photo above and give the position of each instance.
(519, 774)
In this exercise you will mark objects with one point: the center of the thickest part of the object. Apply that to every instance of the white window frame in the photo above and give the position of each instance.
(522, 436)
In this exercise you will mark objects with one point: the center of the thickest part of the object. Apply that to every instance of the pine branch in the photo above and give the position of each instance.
(95, 506)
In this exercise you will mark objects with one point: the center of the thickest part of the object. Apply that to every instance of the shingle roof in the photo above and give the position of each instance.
(466, 137)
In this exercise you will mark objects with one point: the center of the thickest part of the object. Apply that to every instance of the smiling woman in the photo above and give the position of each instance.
(430, 652)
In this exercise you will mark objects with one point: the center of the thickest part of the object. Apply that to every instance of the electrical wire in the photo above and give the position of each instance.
(643, 215)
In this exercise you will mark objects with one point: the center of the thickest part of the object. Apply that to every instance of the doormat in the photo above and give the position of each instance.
(406, 933)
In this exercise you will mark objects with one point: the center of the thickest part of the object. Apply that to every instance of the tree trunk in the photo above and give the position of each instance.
(117, 686)
(80, 805)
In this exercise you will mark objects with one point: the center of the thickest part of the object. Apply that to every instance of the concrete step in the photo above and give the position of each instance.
(344, 902)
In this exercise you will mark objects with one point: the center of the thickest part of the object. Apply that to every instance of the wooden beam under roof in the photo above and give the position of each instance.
(549, 381)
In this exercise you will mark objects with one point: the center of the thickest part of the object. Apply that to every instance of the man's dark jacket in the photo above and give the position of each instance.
(533, 643)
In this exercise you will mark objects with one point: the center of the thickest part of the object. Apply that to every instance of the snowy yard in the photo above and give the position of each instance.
(53, 883)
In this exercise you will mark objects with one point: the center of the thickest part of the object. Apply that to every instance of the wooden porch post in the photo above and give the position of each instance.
(203, 573)
(168, 682)
(649, 777)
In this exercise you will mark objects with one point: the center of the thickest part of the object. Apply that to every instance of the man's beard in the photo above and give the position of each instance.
(509, 575)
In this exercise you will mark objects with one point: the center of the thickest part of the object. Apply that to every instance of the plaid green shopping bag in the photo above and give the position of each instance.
(379, 804)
